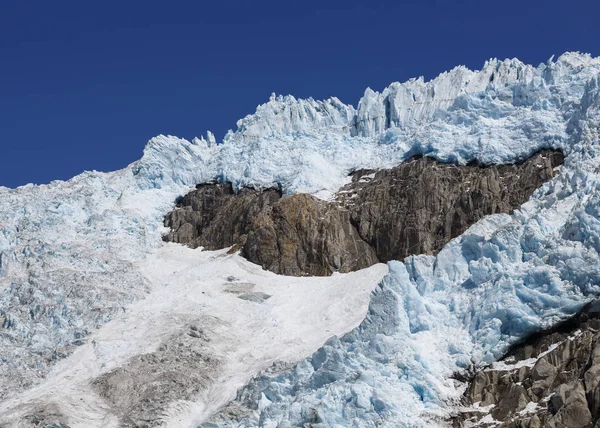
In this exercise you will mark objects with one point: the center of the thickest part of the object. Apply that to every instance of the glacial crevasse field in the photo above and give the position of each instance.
(86, 283)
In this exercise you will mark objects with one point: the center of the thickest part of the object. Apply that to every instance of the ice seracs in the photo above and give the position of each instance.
(209, 141)
(71, 253)
(434, 318)
(500, 114)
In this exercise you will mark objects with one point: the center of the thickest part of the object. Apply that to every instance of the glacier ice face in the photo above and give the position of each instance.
(500, 114)
(506, 277)
(433, 317)
(70, 251)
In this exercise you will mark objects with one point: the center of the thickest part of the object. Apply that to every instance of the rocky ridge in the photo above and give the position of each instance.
(552, 379)
(294, 235)
(414, 208)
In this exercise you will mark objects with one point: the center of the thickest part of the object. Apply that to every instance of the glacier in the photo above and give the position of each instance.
(434, 318)
(72, 253)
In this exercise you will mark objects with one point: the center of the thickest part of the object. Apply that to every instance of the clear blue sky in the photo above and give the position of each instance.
(84, 85)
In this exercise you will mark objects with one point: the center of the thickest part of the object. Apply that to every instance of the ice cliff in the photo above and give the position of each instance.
(70, 252)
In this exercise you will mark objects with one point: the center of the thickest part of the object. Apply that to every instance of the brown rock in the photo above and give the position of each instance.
(303, 235)
(414, 208)
(563, 382)
(295, 235)
(214, 217)
(418, 206)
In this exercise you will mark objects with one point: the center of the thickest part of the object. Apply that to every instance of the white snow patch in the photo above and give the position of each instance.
(299, 317)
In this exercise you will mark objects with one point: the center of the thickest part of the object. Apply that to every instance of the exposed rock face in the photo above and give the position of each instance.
(414, 208)
(303, 235)
(214, 217)
(418, 206)
(294, 235)
(48, 415)
(551, 380)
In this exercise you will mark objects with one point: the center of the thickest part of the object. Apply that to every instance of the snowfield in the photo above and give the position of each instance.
(204, 287)
(87, 286)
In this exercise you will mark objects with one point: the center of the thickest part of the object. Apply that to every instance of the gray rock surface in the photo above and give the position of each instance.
(551, 380)
(142, 390)
(294, 235)
(254, 296)
(302, 235)
(418, 206)
(414, 208)
(45, 416)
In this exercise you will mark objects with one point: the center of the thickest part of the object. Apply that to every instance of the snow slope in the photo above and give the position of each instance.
(74, 255)
(194, 286)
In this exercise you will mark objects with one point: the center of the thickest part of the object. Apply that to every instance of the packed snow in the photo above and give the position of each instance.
(200, 286)
(75, 255)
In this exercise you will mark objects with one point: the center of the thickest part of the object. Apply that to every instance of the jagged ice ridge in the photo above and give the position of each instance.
(69, 251)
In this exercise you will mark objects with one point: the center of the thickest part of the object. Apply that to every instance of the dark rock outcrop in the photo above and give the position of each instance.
(414, 208)
(295, 235)
(550, 380)
(418, 206)
(302, 235)
(214, 217)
